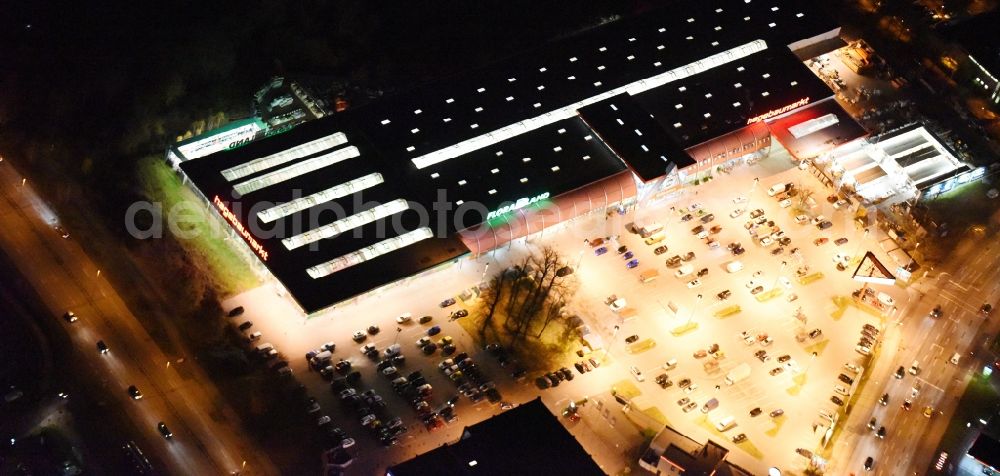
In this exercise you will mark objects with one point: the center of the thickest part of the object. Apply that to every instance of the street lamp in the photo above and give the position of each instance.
(398, 330)
(753, 187)
(691, 314)
(614, 336)
(776, 278)
(861, 242)
(487, 268)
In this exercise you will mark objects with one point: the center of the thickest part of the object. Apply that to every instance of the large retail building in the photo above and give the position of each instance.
(622, 114)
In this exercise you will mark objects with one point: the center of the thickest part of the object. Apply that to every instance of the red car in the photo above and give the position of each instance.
(820, 241)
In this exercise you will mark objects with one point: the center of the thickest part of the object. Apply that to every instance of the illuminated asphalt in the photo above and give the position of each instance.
(206, 439)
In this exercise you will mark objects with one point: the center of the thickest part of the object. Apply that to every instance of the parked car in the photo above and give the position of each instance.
(840, 241)
(600, 251)
(447, 302)
(433, 331)
(660, 250)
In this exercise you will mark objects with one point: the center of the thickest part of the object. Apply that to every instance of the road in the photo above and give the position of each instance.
(206, 439)
(962, 285)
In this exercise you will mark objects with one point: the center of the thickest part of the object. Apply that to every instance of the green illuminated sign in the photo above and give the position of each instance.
(516, 205)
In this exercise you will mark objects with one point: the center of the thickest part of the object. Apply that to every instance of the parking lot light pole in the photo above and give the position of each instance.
(614, 336)
(776, 278)
(861, 242)
(691, 314)
(750, 195)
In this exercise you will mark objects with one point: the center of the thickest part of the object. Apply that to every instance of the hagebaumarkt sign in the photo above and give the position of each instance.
(779, 111)
(516, 205)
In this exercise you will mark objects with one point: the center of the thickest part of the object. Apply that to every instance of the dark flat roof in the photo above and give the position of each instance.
(811, 145)
(556, 151)
(986, 449)
(721, 100)
(525, 440)
(632, 133)
(557, 158)
(564, 72)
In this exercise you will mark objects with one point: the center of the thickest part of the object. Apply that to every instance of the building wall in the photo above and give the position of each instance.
(723, 149)
(599, 195)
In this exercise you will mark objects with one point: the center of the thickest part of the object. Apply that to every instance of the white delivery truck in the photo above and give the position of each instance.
(650, 229)
(776, 189)
(734, 266)
(741, 372)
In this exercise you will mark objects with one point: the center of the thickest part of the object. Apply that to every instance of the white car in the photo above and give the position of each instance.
(801, 219)
(405, 317)
(841, 390)
(694, 206)
(702, 235)
(766, 341)
(740, 199)
(841, 258)
(691, 388)
(637, 373)
(766, 241)
(694, 283)
(785, 203)
(852, 367)
(863, 350)
(819, 219)
(736, 213)
(750, 340)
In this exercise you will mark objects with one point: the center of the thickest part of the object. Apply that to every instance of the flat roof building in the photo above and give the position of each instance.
(623, 113)
(527, 439)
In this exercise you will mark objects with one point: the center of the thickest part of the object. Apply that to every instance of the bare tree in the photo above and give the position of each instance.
(495, 295)
(519, 273)
(548, 266)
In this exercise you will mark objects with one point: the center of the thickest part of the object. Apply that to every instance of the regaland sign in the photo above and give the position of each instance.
(516, 205)
(214, 142)
(777, 112)
(242, 230)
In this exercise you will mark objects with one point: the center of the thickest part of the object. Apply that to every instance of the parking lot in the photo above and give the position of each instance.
(803, 386)
(800, 386)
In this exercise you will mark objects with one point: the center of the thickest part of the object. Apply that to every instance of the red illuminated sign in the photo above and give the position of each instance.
(242, 230)
(779, 111)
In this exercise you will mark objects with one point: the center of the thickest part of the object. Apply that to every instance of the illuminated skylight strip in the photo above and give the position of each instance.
(285, 156)
(566, 112)
(331, 230)
(296, 170)
(332, 193)
(371, 252)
